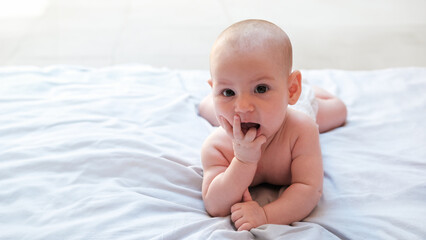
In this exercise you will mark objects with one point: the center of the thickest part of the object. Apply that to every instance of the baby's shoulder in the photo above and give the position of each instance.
(305, 135)
(218, 136)
(218, 140)
(300, 122)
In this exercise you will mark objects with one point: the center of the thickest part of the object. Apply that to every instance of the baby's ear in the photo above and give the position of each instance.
(294, 87)
(210, 82)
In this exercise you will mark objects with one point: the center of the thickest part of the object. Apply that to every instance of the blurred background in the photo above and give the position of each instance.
(338, 34)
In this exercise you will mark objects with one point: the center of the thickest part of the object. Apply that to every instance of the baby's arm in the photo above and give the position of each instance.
(225, 181)
(301, 197)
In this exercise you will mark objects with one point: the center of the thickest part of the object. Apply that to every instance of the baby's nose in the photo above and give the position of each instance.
(243, 104)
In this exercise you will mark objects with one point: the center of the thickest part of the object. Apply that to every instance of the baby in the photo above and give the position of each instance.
(261, 139)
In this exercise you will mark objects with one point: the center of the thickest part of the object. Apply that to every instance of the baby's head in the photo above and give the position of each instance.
(250, 66)
(254, 36)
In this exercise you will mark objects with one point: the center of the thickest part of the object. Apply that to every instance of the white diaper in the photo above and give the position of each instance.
(307, 102)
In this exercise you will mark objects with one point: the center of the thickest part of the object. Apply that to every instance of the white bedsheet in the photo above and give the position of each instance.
(114, 153)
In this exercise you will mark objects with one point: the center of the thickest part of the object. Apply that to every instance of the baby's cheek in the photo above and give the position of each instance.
(277, 116)
(221, 111)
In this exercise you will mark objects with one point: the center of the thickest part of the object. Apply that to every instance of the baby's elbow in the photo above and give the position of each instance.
(343, 110)
(318, 194)
(216, 211)
(212, 204)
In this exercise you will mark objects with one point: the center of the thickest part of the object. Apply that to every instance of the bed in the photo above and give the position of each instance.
(114, 153)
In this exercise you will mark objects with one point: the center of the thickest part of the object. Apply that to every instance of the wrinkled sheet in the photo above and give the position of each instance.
(114, 153)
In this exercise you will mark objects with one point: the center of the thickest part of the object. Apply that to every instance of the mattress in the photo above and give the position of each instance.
(114, 153)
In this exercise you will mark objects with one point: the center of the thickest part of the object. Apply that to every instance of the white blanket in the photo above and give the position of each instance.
(114, 153)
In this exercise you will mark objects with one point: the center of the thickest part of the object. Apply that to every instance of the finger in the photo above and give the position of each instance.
(236, 215)
(238, 134)
(238, 223)
(245, 226)
(251, 134)
(247, 196)
(235, 207)
(226, 125)
(260, 140)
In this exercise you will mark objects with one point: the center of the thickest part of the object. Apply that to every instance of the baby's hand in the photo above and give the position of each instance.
(247, 148)
(248, 214)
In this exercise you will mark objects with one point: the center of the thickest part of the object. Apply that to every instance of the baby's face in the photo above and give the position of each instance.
(251, 84)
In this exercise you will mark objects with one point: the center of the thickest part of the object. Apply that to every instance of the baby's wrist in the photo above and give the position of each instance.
(265, 215)
(248, 163)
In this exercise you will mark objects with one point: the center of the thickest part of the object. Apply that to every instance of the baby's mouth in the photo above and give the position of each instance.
(245, 127)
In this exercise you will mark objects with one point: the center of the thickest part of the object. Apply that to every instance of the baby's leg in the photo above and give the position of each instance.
(206, 110)
(331, 110)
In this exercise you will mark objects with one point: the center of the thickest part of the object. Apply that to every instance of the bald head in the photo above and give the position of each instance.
(255, 35)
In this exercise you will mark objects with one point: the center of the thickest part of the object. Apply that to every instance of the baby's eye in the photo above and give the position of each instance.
(261, 89)
(228, 93)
